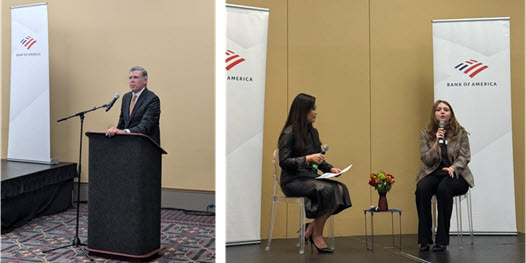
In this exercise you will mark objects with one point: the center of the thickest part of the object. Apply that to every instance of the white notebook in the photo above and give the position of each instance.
(330, 175)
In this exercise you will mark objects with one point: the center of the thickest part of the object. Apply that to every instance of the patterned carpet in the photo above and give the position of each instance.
(185, 238)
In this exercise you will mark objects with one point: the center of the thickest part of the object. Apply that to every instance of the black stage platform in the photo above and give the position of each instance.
(486, 249)
(32, 190)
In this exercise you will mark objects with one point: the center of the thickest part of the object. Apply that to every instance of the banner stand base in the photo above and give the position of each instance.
(52, 161)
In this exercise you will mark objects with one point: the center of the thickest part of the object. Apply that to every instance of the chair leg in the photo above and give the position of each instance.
(302, 228)
(434, 218)
(470, 216)
(271, 225)
(331, 231)
(459, 220)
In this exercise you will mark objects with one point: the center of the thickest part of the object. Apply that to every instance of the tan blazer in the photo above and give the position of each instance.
(458, 153)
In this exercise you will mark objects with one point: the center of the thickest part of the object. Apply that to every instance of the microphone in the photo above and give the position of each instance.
(441, 124)
(110, 104)
(324, 149)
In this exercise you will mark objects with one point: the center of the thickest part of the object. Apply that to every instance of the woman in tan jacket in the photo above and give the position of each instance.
(445, 154)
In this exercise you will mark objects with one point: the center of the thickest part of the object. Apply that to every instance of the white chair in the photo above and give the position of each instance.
(457, 201)
(278, 196)
(458, 204)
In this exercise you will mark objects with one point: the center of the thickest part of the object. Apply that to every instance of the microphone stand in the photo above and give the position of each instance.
(76, 240)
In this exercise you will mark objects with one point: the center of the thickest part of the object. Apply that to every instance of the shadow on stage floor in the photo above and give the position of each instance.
(509, 249)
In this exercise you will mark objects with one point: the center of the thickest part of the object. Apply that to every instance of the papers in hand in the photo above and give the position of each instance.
(329, 175)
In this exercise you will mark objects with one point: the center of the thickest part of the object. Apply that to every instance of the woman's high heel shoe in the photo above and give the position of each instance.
(438, 248)
(424, 248)
(325, 250)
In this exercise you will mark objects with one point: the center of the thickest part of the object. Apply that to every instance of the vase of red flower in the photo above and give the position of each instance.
(382, 183)
(382, 201)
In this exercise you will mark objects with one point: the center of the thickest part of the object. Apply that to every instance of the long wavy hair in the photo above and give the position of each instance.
(300, 108)
(452, 126)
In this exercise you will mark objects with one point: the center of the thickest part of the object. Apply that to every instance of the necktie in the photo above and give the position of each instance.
(132, 103)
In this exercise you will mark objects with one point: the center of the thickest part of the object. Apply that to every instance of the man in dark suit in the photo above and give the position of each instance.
(140, 110)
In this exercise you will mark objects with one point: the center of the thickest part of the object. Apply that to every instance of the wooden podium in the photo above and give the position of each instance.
(124, 202)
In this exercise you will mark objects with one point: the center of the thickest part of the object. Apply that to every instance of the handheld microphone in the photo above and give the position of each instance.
(110, 104)
(324, 149)
(441, 124)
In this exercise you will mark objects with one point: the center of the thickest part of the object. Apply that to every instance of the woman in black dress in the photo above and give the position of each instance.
(299, 150)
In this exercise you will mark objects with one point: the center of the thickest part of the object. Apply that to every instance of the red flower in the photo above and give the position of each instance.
(381, 181)
(372, 182)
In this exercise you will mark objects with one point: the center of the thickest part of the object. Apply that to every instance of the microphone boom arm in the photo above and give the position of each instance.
(82, 113)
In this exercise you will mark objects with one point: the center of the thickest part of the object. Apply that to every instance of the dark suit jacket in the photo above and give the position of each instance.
(145, 116)
(292, 162)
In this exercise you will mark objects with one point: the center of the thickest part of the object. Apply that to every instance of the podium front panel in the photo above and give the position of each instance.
(124, 195)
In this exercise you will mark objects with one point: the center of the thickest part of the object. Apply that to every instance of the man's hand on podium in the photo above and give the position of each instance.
(112, 131)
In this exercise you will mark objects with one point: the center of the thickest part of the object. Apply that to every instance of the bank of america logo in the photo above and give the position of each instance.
(232, 59)
(471, 67)
(28, 42)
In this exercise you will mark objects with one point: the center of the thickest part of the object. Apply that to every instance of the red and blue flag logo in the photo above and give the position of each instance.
(28, 42)
(232, 59)
(471, 67)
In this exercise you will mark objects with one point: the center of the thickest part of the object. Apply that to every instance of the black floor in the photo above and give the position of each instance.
(486, 249)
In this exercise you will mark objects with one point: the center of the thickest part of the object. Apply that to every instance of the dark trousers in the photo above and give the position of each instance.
(445, 188)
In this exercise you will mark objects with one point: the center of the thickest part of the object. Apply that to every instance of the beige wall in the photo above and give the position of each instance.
(94, 43)
(370, 65)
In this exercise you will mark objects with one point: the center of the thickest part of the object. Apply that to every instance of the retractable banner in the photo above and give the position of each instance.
(246, 57)
(472, 72)
(29, 126)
